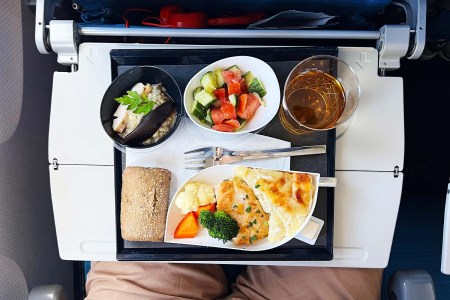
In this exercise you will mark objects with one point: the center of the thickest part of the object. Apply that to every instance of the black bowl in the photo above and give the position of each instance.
(124, 83)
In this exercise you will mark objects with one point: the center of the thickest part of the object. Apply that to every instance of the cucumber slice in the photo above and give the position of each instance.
(205, 98)
(248, 77)
(254, 84)
(198, 110)
(234, 69)
(208, 117)
(233, 99)
(257, 87)
(219, 78)
(242, 125)
(197, 90)
(208, 81)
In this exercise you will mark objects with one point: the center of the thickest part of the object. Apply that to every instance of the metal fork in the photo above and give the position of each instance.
(202, 158)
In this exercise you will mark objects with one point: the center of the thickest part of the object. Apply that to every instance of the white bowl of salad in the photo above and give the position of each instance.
(234, 95)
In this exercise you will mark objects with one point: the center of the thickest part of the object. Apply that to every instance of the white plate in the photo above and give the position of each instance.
(262, 71)
(214, 176)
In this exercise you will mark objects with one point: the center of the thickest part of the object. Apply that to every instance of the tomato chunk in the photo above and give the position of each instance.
(253, 102)
(217, 115)
(224, 112)
(223, 100)
(220, 93)
(217, 103)
(188, 227)
(242, 104)
(223, 128)
(230, 77)
(244, 88)
(233, 123)
(228, 110)
(234, 88)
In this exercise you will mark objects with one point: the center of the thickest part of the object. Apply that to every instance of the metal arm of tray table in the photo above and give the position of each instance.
(393, 41)
(228, 33)
(416, 15)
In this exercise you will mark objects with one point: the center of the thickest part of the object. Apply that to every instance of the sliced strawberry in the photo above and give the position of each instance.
(223, 128)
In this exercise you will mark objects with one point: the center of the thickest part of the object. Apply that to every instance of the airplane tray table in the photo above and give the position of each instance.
(182, 65)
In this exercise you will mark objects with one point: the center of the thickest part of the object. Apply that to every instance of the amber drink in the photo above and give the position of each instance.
(315, 97)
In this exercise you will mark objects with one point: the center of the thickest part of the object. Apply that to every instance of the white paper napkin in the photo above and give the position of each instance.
(170, 155)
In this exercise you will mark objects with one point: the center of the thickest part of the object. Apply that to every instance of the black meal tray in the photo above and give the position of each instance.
(182, 64)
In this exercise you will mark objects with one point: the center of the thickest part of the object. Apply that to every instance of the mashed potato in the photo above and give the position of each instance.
(195, 194)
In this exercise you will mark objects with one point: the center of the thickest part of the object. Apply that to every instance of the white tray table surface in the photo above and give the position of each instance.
(82, 188)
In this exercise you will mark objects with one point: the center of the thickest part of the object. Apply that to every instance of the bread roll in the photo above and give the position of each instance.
(145, 198)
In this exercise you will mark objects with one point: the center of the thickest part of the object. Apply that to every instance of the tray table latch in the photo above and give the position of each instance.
(396, 171)
(55, 164)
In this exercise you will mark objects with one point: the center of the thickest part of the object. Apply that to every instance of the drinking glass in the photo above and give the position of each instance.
(321, 93)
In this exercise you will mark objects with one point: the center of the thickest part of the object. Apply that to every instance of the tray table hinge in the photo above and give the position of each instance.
(392, 45)
(55, 164)
(396, 171)
(64, 40)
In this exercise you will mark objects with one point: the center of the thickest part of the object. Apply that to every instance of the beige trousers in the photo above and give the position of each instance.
(145, 280)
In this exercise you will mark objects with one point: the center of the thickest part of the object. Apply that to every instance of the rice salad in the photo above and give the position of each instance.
(129, 114)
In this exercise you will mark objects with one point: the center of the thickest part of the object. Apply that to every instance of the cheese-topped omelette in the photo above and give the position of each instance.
(285, 196)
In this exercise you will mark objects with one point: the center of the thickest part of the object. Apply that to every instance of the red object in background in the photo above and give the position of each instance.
(166, 11)
(188, 20)
(173, 15)
(239, 20)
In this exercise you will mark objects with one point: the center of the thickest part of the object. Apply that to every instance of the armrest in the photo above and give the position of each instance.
(47, 292)
(411, 285)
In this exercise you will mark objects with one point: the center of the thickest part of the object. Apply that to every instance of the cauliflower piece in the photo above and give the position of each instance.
(195, 194)
(205, 194)
(192, 187)
(187, 201)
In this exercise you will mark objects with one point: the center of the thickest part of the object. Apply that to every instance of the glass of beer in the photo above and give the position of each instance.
(320, 93)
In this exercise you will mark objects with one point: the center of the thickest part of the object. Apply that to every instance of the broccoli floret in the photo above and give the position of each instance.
(219, 225)
(206, 218)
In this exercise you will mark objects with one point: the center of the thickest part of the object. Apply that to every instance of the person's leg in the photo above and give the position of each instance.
(144, 280)
(273, 282)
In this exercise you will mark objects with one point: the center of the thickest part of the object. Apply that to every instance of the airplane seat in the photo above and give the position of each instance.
(28, 249)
